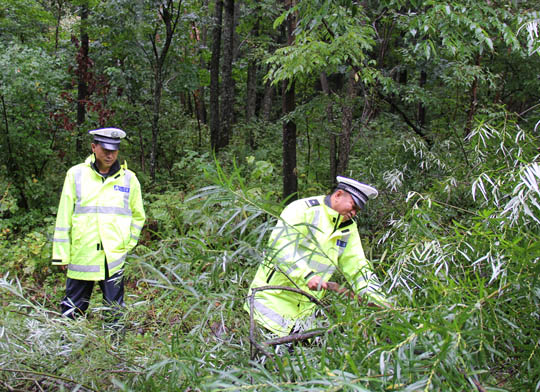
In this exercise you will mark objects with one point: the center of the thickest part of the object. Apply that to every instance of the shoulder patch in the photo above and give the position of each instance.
(312, 202)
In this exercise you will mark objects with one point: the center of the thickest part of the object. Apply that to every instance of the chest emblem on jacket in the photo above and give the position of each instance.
(119, 188)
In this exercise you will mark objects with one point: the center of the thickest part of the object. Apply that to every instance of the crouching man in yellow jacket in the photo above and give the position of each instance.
(99, 220)
(314, 238)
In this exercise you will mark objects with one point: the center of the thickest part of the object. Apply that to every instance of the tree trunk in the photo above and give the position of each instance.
(227, 109)
(141, 149)
(421, 108)
(11, 163)
(251, 87)
(251, 98)
(290, 172)
(200, 92)
(214, 77)
(473, 102)
(169, 17)
(158, 85)
(59, 4)
(346, 126)
(82, 73)
(331, 135)
(266, 104)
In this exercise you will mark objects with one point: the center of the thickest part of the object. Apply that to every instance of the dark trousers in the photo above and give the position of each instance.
(78, 293)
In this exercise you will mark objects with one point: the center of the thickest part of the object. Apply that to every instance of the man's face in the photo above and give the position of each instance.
(104, 158)
(343, 203)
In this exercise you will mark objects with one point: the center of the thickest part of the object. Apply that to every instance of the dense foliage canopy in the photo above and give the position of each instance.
(232, 106)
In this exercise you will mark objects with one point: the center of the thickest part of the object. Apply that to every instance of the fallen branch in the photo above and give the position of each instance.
(295, 337)
(252, 340)
(47, 375)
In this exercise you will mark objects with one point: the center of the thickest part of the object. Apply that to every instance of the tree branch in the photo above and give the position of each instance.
(294, 337)
(49, 376)
(416, 130)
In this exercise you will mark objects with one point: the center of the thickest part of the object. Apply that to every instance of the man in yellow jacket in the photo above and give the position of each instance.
(314, 239)
(99, 220)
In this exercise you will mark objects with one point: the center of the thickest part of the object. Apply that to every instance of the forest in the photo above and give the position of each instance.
(232, 110)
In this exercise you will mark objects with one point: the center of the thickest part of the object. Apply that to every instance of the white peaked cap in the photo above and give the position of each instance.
(109, 138)
(360, 192)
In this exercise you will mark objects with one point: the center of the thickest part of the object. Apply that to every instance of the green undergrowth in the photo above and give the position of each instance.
(459, 264)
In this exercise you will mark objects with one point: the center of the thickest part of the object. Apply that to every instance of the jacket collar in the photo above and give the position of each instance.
(115, 168)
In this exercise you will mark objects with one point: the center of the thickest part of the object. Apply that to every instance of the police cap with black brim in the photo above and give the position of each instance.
(359, 192)
(109, 138)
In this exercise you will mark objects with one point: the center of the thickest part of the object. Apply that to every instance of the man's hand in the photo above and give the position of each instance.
(316, 283)
(333, 286)
(63, 267)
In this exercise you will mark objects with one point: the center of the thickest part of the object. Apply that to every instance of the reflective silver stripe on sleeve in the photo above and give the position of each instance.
(322, 268)
(84, 268)
(136, 226)
(77, 176)
(127, 181)
(269, 313)
(298, 264)
(60, 240)
(135, 237)
(315, 221)
(116, 263)
(62, 228)
(102, 210)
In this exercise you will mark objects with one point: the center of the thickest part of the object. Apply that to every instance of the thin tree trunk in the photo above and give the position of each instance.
(158, 84)
(198, 114)
(251, 87)
(421, 108)
(214, 77)
(331, 135)
(251, 99)
(169, 17)
(266, 105)
(141, 147)
(60, 3)
(227, 109)
(11, 163)
(290, 172)
(346, 126)
(201, 106)
(473, 102)
(82, 73)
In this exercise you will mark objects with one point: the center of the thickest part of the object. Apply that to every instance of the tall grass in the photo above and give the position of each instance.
(460, 263)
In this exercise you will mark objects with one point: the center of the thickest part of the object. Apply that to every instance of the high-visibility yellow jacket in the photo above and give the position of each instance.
(99, 220)
(310, 239)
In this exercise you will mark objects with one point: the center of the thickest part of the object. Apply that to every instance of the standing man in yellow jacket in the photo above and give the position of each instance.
(99, 220)
(314, 238)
